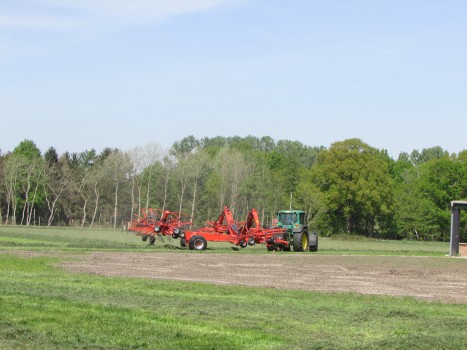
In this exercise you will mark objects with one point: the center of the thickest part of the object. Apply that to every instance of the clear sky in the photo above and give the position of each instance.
(82, 74)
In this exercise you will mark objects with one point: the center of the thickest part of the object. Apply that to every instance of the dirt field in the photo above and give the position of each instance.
(426, 278)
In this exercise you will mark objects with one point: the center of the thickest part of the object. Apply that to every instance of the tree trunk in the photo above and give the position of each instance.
(8, 200)
(96, 203)
(147, 195)
(31, 208)
(166, 186)
(83, 219)
(26, 196)
(148, 188)
(115, 206)
(195, 187)
(132, 197)
(182, 192)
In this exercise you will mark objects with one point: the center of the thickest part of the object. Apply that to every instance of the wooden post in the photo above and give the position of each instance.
(456, 207)
(455, 226)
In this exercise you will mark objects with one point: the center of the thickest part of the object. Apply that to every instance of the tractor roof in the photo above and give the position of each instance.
(291, 211)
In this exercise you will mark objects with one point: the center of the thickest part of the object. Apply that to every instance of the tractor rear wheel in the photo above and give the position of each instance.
(197, 243)
(300, 241)
(314, 242)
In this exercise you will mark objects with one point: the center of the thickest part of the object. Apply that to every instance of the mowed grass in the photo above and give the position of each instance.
(41, 238)
(45, 307)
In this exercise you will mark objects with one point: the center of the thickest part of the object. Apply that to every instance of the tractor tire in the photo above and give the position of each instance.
(197, 243)
(313, 242)
(183, 242)
(152, 240)
(300, 241)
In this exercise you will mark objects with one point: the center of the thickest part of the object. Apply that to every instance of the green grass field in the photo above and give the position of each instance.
(45, 307)
(40, 238)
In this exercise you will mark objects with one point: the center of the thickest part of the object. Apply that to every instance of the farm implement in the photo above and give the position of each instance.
(289, 230)
(226, 229)
(157, 222)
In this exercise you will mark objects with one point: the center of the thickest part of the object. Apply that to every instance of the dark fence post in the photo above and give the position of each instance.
(455, 227)
(456, 207)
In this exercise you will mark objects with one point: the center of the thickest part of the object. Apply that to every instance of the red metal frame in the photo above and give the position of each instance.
(159, 222)
(226, 229)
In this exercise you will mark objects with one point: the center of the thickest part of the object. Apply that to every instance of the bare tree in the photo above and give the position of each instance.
(118, 167)
(153, 153)
(239, 172)
(12, 168)
(136, 155)
(57, 179)
(84, 191)
(33, 171)
(233, 170)
(167, 169)
(196, 167)
(143, 160)
(182, 172)
(95, 182)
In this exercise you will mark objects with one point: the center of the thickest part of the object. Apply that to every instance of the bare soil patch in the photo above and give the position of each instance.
(426, 278)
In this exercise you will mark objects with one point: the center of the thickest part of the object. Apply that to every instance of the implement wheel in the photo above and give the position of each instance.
(197, 243)
(313, 242)
(152, 240)
(183, 242)
(300, 241)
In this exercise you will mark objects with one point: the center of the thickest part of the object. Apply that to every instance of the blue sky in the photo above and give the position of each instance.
(82, 74)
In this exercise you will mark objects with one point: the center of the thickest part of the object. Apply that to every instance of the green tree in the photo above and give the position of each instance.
(428, 154)
(28, 149)
(30, 177)
(409, 203)
(309, 198)
(442, 180)
(356, 187)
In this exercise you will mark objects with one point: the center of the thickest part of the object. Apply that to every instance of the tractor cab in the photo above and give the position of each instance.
(290, 219)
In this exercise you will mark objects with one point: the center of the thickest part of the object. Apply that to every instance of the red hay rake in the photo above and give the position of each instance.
(158, 222)
(226, 229)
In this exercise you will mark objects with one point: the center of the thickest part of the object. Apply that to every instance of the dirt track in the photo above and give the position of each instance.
(427, 278)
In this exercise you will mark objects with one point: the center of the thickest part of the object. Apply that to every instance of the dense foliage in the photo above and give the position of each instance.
(350, 187)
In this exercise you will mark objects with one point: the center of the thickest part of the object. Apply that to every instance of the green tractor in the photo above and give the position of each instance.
(296, 236)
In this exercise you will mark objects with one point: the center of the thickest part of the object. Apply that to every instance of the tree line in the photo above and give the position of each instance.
(349, 187)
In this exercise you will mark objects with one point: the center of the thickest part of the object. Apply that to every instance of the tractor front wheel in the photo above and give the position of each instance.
(300, 241)
(197, 243)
